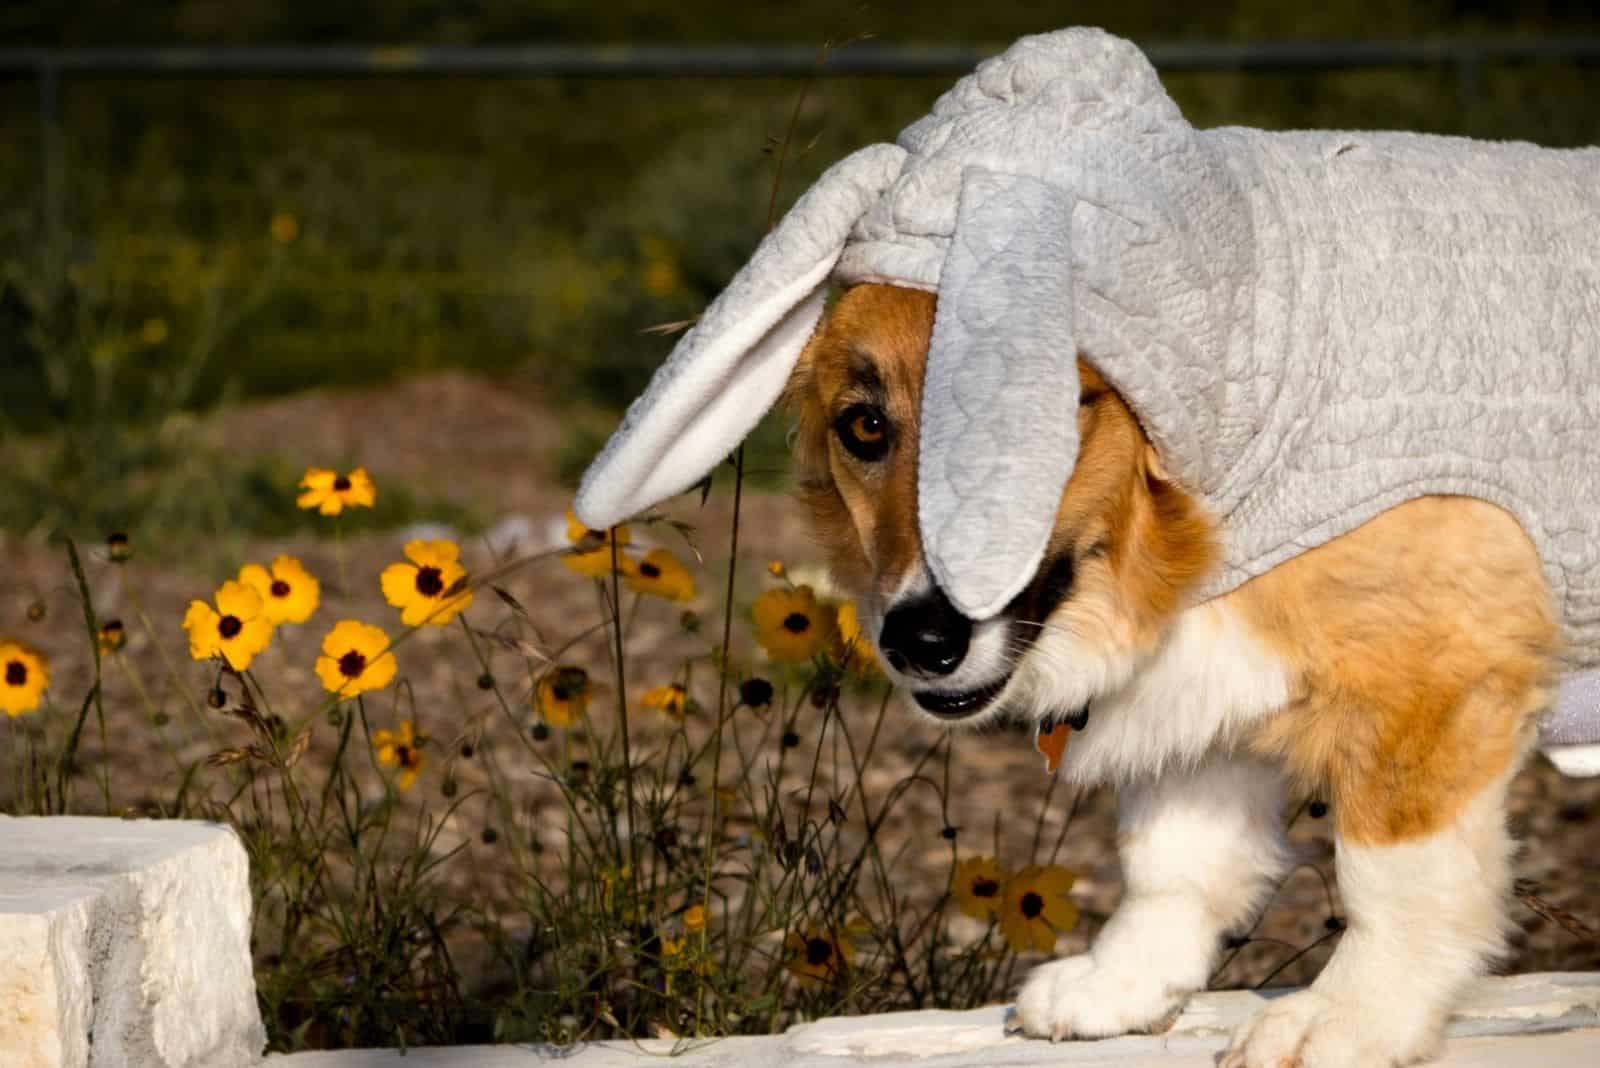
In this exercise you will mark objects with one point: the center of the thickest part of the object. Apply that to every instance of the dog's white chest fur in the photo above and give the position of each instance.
(1207, 681)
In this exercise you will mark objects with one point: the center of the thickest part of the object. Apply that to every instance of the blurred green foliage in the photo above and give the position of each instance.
(207, 239)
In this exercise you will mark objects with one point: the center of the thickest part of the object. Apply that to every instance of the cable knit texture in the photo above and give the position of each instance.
(1312, 327)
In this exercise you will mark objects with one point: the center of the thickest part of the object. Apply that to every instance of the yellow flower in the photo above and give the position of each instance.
(596, 562)
(284, 228)
(236, 629)
(670, 700)
(419, 588)
(977, 884)
(776, 569)
(153, 332)
(1037, 909)
(289, 593)
(112, 637)
(355, 658)
(694, 918)
(24, 676)
(400, 749)
(816, 955)
(855, 648)
(671, 947)
(331, 493)
(562, 696)
(790, 625)
(661, 574)
(661, 278)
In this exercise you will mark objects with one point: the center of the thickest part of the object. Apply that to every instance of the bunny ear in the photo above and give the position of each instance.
(998, 441)
(729, 370)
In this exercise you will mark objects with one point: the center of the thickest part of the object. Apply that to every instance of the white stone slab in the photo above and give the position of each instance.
(125, 944)
(1567, 1049)
(1548, 1020)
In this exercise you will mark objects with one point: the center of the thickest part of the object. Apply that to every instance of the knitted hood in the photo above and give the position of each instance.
(1057, 201)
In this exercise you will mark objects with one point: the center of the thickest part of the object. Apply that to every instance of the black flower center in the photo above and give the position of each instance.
(352, 664)
(569, 684)
(796, 622)
(229, 626)
(755, 692)
(984, 887)
(279, 588)
(1032, 905)
(16, 673)
(405, 755)
(819, 951)
(649, 570)
(341, 484)
(430, 583)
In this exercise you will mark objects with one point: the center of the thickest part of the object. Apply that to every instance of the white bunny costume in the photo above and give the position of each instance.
(1311, 327)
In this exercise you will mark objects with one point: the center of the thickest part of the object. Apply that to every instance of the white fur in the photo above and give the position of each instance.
(1150, 712)
(1200, 851)
(1425, 917)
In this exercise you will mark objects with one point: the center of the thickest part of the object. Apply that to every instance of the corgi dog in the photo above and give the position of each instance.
(1396, 672)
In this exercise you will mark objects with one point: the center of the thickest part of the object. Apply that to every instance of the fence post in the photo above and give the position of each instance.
(52, 166)
(1469, 84)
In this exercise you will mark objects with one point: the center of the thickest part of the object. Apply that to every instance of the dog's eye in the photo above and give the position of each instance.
(864, 430)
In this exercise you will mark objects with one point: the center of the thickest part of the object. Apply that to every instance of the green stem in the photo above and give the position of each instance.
(622, 707)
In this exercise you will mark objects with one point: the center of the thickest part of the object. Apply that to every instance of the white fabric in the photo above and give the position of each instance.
(1312, 327)
(1011, 246)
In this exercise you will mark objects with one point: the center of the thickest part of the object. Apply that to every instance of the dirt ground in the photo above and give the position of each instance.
(488, 446)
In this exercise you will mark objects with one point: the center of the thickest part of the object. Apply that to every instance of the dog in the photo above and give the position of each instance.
(1260, 456)
(1396, 672)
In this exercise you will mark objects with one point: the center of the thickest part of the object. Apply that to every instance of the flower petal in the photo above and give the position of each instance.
(399, 583)
(237, 599)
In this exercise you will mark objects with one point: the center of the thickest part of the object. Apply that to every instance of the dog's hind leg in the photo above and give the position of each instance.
(1426, 915)
(1200, 852)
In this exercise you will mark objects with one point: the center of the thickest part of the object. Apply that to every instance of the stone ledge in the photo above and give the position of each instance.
(125, 944)
(1550, 1020)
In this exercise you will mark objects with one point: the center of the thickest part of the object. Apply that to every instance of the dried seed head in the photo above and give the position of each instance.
(755, 692)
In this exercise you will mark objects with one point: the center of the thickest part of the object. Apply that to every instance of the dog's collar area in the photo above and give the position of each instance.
(1077, 721)
(1050, 739)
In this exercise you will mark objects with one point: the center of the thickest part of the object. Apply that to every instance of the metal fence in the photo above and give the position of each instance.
(50, 67)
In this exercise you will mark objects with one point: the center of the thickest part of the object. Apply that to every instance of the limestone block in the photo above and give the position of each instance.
(125, 944)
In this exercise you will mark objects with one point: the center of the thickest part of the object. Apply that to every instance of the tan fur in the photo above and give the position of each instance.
(1420, 645)
(866, 517)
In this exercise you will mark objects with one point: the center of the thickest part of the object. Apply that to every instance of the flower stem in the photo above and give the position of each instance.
(622, 709)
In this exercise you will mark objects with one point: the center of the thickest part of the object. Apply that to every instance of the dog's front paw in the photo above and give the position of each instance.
(1312, 1030)
(1077, 998)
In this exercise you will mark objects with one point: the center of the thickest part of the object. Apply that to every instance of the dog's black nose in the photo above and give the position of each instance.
(927, 636)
